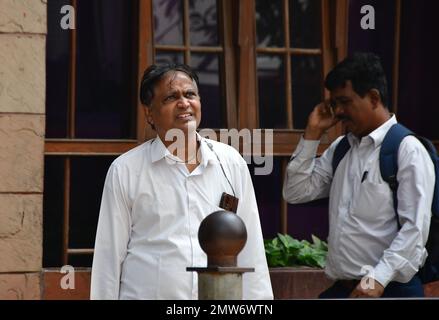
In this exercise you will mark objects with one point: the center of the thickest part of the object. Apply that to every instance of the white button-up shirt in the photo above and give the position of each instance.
(150, 213)
(363, 232)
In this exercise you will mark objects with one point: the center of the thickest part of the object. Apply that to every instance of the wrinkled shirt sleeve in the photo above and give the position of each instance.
(111, 239)
(308, 178)
(407, 252)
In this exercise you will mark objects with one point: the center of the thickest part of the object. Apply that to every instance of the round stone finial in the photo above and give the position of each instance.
(222, 235)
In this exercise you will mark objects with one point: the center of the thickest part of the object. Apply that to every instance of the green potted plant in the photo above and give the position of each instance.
(296, 266)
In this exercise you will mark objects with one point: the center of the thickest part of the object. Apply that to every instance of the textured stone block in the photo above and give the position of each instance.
(20, 286)
(22, 73)
(21, 240)
(27, 16)
(21, 153)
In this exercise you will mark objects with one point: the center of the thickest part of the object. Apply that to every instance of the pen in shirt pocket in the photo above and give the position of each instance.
(364, 176)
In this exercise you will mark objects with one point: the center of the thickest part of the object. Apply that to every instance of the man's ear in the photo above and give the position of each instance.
(148, 116)
(375, 97)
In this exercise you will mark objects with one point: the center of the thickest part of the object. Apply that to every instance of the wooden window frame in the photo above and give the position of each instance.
(225, 48)
(69, 147)
(240, 88)
(333, 49)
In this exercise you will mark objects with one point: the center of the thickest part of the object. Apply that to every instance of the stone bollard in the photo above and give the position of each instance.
(222, 235)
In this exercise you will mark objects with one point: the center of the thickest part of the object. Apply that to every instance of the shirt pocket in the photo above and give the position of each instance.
(372, 201)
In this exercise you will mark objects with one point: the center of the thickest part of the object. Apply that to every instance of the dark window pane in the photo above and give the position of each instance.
(271, 90)
(105, 83)
(203, 22)
(81, 260)
(303, 219)
(305, 23)
(207, 68)
(307, 87)
(168, 22)
(87, 182)
(268, 189)
(57, 69)
(162, 57)
(269, 23)
(53, 204)
(306, 219)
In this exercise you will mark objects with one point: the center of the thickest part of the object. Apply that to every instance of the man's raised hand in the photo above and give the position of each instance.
(321, 119)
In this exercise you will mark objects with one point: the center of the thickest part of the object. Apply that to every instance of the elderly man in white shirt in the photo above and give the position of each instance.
(156, 195)
(365, 241)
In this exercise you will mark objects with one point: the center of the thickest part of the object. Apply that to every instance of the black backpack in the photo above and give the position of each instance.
(389, 168)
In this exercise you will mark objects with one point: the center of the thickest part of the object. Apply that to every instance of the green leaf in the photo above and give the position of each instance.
(284, 251)
(289, 242)
(319, 244)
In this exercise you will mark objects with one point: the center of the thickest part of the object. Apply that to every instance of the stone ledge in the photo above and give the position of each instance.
(288, 283)
(298, 283)
(23, 16)
(52, 290)
(308, 283)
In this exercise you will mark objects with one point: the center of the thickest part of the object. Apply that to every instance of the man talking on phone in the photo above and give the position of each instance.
(376, 243)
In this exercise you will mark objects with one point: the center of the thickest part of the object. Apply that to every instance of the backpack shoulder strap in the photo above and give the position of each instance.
(340, 150)
(389, 159)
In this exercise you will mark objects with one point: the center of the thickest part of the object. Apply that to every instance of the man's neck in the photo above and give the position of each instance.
(185, 148)
(381, 117)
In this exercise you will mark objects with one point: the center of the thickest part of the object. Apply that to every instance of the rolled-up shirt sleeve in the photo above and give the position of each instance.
(416, 179)
(308, 178)
(111, 239)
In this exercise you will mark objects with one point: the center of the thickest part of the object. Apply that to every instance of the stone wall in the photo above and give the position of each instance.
(23, 31)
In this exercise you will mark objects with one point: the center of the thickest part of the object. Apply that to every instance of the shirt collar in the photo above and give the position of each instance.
(207, 155)
(159, 150)
(377, 136)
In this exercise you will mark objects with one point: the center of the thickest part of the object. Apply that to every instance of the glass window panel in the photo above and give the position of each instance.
(53, 207)
(271, 90)
(309, 218)
(305, 23)
(269, 198)
(203, 22)
(307, 87)
(81, 260)
(168, 22)
(269, 23)
(57, 68)
(105, 70)
(207, 68)
(87, 182)
(163, 57)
